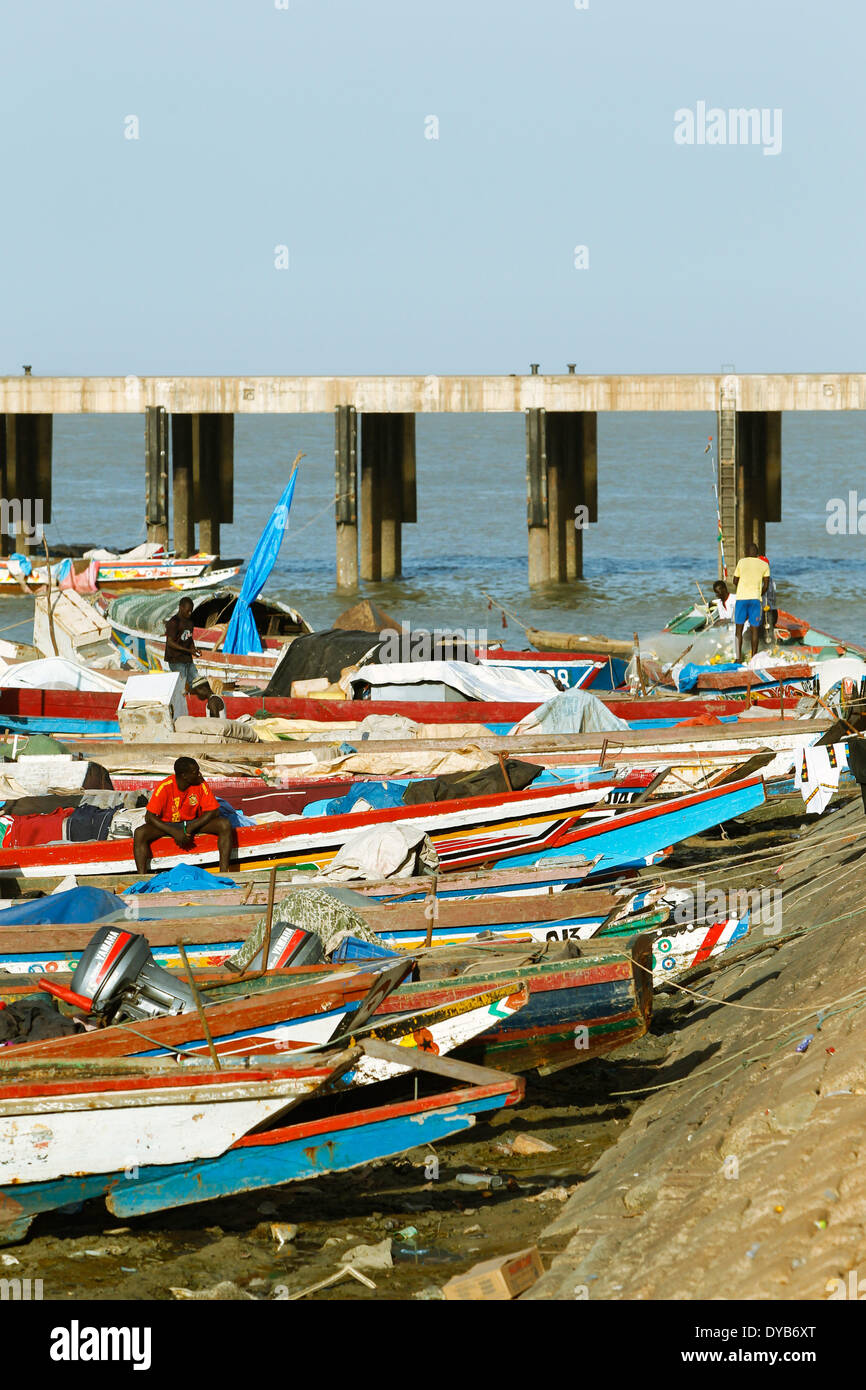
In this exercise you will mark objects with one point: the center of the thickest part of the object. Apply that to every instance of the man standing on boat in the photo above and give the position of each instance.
(182, 807)
(752, 575)
(179, 644)
(179, 653)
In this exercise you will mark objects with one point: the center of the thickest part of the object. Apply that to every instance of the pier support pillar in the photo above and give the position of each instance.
(562, 491)
(750, 478)
(213, 476)
(387, 491)
(346, 494)
(25, 481)
(156, 474)
(759, 476)
(183, 520)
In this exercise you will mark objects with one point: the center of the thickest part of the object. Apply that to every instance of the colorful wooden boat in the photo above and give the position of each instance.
(307, 1147)
(573, 672)
(517, 828)
(403, 926)
(578, 1008)
(93, 714)
(26, 952)
(155, 572)
(138, 624)
(600, 997)
(300, 1009)
(50, 1129)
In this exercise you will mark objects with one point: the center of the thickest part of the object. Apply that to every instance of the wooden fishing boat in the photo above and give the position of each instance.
(51, 1129)
(545, 641)
(585, 672)
(450, 1024)
(306, 1147)
(93, 714)
(521, 828)
(304, 1008)
(571, 915)
(601, 995)
(119, 576)
(580, 1006)
(138, 623)
(401, 926)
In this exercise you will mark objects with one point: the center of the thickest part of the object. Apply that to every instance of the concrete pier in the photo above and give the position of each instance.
(202, 469)
(156, 474)
(750, 476)
(387, 491)
(346, 495)
(25, 478)
(213, 476)
(562, 491)
(183, 515)
(375, 446)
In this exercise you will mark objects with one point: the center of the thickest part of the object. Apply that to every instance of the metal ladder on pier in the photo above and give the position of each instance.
(728, 473)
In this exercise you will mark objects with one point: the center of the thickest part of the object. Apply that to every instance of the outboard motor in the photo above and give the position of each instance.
(118, 979)
(290, 946)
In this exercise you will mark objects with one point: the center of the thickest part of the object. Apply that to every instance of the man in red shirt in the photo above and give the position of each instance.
(182, 807)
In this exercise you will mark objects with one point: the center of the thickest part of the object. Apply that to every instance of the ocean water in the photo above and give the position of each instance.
(655, 536)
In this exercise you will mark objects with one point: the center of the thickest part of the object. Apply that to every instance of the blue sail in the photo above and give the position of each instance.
(242, 637)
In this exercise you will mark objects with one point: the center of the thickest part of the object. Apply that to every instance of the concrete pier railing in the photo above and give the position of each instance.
(189, 447)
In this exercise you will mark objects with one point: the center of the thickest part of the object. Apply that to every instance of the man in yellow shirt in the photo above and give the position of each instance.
(752, 576)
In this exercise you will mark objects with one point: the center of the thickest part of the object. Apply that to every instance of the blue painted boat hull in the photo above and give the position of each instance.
(635, 840)
(261, 1162)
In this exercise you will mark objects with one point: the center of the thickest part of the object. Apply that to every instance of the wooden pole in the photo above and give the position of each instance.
(431, 909)
(505, 777)
(50, 610)
(272, 888)
(199, 1008)
(640, 674)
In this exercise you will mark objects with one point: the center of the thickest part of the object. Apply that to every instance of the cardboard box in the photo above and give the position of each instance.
(503, 1278)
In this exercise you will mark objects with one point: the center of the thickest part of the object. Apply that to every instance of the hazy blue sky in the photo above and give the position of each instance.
(305, 127)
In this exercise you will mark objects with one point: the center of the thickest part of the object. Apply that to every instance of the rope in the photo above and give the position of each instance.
(821, 1010)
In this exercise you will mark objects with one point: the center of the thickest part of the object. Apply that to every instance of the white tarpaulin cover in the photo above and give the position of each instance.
(475, 682)
(383, 851)
(56, 673)
(572, 712)
(148, 550)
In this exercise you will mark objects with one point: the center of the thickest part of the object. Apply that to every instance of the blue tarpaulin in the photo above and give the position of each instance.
(378, 794)
(242, 637)
(688, 677)
(183, 878)
(72, 905)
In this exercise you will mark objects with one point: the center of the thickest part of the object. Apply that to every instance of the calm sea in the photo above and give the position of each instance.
(655, 537)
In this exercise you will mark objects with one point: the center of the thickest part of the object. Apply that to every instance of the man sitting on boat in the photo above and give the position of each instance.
(182, 807)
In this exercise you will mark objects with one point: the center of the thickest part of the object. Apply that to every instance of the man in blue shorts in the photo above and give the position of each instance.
(752, 576)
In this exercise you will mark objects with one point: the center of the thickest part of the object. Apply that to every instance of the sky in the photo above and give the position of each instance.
(398, 186)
